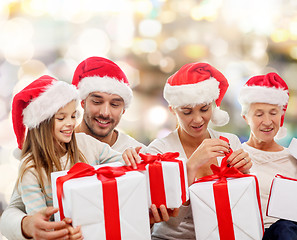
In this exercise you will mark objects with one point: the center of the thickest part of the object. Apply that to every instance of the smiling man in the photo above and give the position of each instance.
(106, 94)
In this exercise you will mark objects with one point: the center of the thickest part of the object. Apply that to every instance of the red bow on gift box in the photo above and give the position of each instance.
(157, 188)
(149, 158)
(221, 196)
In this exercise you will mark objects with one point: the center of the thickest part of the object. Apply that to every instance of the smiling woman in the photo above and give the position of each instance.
(264, 101)
(193, 120)
(194, 94)
(264, 120)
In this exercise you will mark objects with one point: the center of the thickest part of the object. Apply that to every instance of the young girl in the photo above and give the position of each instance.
(194, 94)
(47, 107)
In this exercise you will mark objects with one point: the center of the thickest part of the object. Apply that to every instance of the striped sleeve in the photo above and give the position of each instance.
(97, 152)
(107, 154)
(31, 192)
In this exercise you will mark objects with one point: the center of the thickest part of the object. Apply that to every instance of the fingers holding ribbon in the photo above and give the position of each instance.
(240, 160)
(246, 167)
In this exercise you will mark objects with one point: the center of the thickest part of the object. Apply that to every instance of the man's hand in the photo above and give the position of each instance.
(39, 227)
(74, 233)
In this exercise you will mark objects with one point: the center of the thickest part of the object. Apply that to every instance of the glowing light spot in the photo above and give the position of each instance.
(195, 51)
(167, 64)
(157, 115)
(150, 28)
(280, 35)
(94, 42)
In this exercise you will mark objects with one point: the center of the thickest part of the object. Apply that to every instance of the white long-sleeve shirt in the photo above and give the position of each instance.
(124, 141)
(266, 165)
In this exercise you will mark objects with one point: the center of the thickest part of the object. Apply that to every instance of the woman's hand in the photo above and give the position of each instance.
(162, 214)
(240, 160)
(207, 150)
(131, 157)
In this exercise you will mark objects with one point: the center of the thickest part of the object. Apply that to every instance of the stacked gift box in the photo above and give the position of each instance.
(103, 207)
(111, 201)
(226, 209)
(226, 205)
(166, 179)
(283, 197)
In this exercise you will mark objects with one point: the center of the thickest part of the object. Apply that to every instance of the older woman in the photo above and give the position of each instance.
(264, 102)
(194, 94)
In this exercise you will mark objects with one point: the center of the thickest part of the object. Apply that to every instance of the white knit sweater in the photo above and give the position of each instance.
(266, 165)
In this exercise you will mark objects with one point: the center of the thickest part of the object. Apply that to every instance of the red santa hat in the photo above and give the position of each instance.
(197, 83)
(39, 101)
(102, 75)
(269, 88)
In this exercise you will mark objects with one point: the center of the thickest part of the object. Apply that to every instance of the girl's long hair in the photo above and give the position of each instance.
(40, 151)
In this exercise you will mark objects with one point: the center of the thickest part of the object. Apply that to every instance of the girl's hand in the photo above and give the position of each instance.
(240, 160)
(131, 157)
(74, 233)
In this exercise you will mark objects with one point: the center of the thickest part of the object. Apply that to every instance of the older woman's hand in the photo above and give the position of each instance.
(240, 160)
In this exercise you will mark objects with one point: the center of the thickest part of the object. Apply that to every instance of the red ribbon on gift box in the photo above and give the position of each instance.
(157, 188)
(221, 196)
(107, 176)
(284, 177)
(276, 176)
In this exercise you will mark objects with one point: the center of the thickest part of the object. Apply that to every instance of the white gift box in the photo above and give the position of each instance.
(244, 205)
(83, 203)
(283, 198)
(293, 147)
(175, 184)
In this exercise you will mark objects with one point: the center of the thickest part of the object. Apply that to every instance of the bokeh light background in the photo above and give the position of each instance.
(149, 40)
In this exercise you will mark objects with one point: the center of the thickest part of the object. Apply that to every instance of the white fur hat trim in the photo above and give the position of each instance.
(272, 95)
(48, 103)
(107, 85)
(190, 94)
